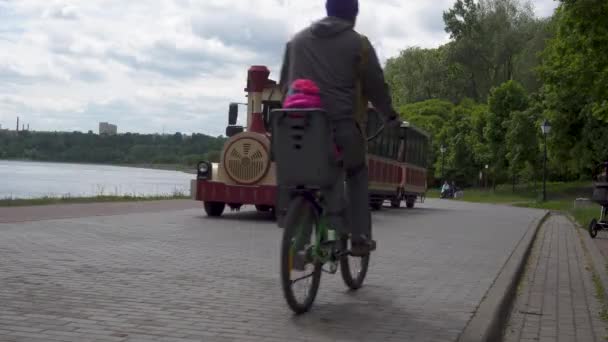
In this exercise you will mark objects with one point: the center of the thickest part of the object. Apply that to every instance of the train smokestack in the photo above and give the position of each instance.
(17, 124)
(257, 80)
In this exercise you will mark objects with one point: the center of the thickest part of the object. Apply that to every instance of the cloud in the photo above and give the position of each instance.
(168, 64)
(63, 12)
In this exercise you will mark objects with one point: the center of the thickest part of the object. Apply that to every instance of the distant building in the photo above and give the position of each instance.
(106, 128)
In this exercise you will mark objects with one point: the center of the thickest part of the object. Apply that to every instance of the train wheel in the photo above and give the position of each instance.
(396, 203)
(410, 202)
(214, 209)
(377, 204)
(263, 208)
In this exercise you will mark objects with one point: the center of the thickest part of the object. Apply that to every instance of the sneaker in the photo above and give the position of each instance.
(362, 246)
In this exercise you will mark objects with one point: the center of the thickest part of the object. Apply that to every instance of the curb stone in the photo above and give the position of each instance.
(491, 316)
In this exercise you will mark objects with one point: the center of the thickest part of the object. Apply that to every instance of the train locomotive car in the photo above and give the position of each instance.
(245, 174)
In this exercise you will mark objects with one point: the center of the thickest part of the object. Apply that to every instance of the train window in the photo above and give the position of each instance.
(424, 153)
(391, 148)
(405, 146)
(391, 145)
(397, 140)
(419, 151)
(381, 146)
(411, 149)
(376, 145)
(267, 107)
(416, 151)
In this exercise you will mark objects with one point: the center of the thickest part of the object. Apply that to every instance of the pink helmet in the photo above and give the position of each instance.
(303, 93)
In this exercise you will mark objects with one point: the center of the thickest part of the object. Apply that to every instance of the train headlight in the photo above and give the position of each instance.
(204, 170)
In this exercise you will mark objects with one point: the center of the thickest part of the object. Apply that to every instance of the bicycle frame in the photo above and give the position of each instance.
(319, 253)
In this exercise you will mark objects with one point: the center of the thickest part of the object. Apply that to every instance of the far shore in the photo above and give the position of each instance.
(26, 202)
(165, 167)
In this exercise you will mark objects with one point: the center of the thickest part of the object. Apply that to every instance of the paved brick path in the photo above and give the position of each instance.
(64, 211)
(179, 276)
(601, 241)
(556, 300)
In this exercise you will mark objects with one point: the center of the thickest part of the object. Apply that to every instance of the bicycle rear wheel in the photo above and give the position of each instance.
(301, 227)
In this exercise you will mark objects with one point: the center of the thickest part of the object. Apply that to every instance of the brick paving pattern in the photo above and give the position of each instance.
(65, 211)
(556, 300)
(179, 276)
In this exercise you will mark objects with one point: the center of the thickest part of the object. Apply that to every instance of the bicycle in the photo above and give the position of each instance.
(302, 165)
(600, 196)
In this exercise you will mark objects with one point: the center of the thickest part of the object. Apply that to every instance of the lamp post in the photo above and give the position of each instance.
(545, 129)
(442, 149)
(486, 177)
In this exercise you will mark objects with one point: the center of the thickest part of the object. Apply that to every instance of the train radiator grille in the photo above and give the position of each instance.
(246, 161)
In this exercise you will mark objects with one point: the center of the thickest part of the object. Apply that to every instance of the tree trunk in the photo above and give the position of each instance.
(514, 178)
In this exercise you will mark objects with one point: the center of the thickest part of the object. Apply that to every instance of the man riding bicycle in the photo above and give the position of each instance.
(346, 69)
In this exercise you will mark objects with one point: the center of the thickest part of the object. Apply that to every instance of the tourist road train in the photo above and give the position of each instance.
(245, 174)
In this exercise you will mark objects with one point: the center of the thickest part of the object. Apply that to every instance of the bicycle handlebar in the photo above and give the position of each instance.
(378, 132)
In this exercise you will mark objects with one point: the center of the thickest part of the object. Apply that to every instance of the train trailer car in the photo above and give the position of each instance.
(397, 165)
(245, 174)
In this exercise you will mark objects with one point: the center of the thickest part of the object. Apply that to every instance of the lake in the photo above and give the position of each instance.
(20, 179)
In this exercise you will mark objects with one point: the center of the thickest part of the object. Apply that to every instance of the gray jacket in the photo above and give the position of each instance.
(328, 53)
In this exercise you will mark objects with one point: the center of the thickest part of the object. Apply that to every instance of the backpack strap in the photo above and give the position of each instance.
(361, 98)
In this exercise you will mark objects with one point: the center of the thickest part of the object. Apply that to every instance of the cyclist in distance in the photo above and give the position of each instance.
(345, 67)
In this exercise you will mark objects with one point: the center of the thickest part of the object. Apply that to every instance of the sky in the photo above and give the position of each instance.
(154, 66)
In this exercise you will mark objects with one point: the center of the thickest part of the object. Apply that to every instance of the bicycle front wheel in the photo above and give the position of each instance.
(297, 265)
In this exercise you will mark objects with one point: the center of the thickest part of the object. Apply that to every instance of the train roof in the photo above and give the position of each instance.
(406, 124)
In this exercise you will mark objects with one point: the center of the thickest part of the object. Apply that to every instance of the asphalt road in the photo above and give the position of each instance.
(178, 276)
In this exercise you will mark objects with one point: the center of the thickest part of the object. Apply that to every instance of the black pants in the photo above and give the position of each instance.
(347, 200)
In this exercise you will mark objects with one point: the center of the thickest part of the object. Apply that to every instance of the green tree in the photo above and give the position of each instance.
(576, 59)
(504, 100)
(488, 36)
(213, 156)
(124, 148)
(423, 74)
(461, 154)
(575, 75)
(521, 142)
